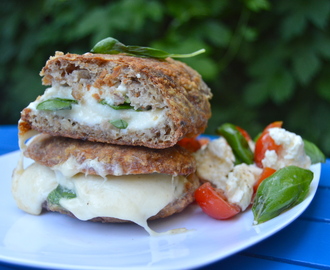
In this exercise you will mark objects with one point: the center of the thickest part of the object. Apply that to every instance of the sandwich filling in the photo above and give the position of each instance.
(126, 197)
(96, 108)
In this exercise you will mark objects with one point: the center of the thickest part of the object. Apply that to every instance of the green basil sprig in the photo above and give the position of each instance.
(124, 106)
(59, 193)
(113, 46)
(281, 191)
(121, 124)
(55, 104)
(237, 142)
(313, 152)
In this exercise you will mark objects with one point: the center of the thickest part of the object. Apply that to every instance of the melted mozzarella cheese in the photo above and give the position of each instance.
(23, 138)
(128, 197)
(89, 111)
(70, 167)
(30, 189)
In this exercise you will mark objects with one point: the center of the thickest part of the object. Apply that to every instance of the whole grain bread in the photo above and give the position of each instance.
(150, 84)
(117, 160)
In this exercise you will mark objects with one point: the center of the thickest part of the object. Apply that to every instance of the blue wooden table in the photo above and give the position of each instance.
(304, 244)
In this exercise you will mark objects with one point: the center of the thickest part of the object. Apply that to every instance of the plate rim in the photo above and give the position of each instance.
(11, 260)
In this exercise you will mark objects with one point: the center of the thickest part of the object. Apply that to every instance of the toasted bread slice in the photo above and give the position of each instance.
(120, 99)
(107, 159)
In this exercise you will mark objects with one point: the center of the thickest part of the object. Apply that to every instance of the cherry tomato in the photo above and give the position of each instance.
(191, 144)
(244, 133)
(203, 141)
(214, 204)
(264, 143)
(265, 173)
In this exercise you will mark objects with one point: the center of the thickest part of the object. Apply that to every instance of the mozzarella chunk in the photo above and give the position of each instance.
(240, 181)
(291, 152)
(215, 161)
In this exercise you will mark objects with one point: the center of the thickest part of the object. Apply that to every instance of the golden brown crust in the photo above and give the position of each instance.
(174, 207)
(169, 84)
(117, 160)
(24, 127)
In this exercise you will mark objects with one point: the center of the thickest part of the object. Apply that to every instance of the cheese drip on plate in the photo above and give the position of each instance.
(129, 197)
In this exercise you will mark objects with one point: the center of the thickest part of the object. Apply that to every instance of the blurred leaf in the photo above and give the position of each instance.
(256, 93)
(282, 85)
(293, 25)
(305, 64)
(322, 45)
(257, 5)
(205, 66)
(318, 12)
(267, 60)
(14, 103)
(249, 33)
(185, 10)
(216, 32)
(323, 87)
(90, 23)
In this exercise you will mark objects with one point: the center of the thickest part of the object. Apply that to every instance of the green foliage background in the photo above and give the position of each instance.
(265, 61)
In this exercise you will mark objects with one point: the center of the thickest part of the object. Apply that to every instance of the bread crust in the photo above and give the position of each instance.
(167, 84)
(174, 207)
(116, 160)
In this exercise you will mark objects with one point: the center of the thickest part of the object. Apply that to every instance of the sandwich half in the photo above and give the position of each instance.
(119, 99)
(103, 182)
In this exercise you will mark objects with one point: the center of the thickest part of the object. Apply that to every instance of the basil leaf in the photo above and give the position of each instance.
(113, 46)
(108, 46)
(124, 106)
(121, 124)
(314, 152)
(55, 104)
(281, 191)
(237, 142)
(59, 193)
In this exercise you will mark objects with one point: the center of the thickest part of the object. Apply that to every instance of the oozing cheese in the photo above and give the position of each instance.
(89, 111)
(23, 138)
(31, 187)
(130, 197)
(70, 167)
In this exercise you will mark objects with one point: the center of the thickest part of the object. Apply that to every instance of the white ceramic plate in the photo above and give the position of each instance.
(57, 241)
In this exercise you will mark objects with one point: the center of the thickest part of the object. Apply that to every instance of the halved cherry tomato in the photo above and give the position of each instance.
(203, 141)
(264, 143)
(244, 133)
(267, 171)
(191, 144)
(214, 204)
